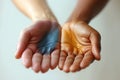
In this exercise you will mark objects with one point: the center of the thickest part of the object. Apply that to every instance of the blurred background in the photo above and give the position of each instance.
(107, 23)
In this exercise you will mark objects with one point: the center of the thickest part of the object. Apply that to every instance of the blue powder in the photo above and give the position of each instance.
(48, 43)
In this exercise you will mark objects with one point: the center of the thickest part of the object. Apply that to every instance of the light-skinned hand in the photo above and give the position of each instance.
(36, 49)
(80, 46)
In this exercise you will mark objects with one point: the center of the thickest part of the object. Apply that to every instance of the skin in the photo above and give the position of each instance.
(50, 40)
(80, 43)
(35, 48)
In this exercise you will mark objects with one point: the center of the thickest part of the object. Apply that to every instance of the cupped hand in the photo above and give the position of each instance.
(39, 46)
(80, 46)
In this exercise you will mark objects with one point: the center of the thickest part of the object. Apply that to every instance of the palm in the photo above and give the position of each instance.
(82, 45)
(77, 37)
(36, 34)
(43, 37)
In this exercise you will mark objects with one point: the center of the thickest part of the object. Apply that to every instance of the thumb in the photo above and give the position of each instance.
(22, 44)
(96, 45)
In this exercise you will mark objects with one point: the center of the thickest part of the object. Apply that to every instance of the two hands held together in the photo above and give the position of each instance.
(45, 44)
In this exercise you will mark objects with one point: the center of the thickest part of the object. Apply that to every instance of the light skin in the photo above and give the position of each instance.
(76, 53)
(28, 49)
(80, 43)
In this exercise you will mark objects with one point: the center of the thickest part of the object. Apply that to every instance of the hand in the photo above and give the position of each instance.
(39, 46)
(80, 46)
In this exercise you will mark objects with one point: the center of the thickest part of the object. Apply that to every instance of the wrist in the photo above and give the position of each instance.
(44, 20)
(44, 17)
(73, 19)
(44, 13)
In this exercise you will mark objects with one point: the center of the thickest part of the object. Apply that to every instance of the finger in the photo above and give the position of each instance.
(55, 58)
(68, 62)
(36, 62)
(23, 42)
(27, 58)
(62, 59)
(87, 60)
(76, 64)
(67, 48)
(96, 45)
(45, 63)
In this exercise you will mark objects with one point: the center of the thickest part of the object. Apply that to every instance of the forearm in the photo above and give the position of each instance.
(35, 9)
(85, 10)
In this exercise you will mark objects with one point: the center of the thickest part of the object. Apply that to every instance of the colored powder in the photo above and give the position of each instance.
(48, 43)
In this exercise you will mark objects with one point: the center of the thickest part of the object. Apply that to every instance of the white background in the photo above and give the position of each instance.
(107, 23)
